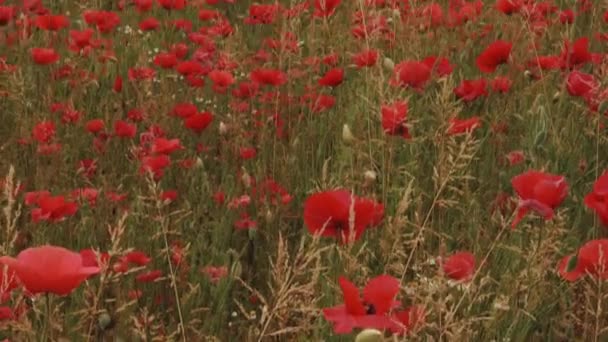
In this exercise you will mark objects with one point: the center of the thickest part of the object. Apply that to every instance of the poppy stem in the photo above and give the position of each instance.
(46, 333)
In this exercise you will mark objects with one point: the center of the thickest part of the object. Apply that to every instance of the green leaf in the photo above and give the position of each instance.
(572, 263)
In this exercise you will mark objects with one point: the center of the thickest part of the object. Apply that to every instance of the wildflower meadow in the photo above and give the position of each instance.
(303, 170)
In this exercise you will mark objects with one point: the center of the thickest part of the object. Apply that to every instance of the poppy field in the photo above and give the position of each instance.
(303, 170)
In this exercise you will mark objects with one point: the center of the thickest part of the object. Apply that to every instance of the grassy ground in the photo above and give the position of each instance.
(439, 190)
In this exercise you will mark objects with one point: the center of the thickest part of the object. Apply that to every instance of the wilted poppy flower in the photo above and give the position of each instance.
(330, 213)
(592, 259)
(460, 266)
(538, 191)
(393, 119)
(494, 55)
(597, 199)
(49, 269)
(371, 311)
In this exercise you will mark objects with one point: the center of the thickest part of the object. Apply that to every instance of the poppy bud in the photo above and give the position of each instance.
(388, 64)
(370, 176)
(198, 163)
(246, 179)
(236, 270)
(223, 128)
(369, 335)
(104, 321)
(528, 74)
(347, 135)
(556, 96)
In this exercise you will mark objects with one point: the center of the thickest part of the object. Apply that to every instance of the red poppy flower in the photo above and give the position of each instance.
(105, 21)
(365, 58)
(53, 209)
(6, 14)
(325, 8)
(592, 259)
(50, 22)
(90, 258)
(494, 55)
(393, 119)
(538, 191)
(470, 90)
(49, 269)
(43, 56)
(198, 122)
(44, 132)
(515, 157)
(221, 80)
(581, 84)
(124, 129)
(80, 39)
(262, 14)
(461, 126)
(411, 73)
(371, 311)
(509, 6)
(440, 66)
(330, 213)
(148, 277)
(184, 110)
(190, 68)
(268, 77)
(166, 146)
(8, 282)
(332, 78)
(166, 60)
(155, 164)
(140, 74)
(597, 199)
(576, 54)
(117, 86)
(501, 84)
(172, 4)
(149, 24)
(460, 266)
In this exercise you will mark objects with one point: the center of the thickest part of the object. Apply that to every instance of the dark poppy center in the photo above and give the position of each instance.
(370, 309)
(340, 226)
